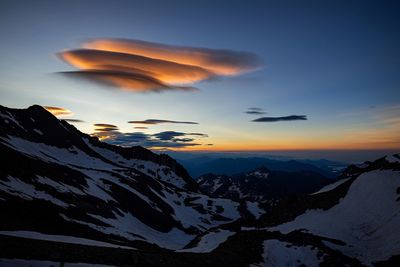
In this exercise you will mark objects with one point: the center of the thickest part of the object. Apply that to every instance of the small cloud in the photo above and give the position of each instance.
(255, 111)
(184, 140)
(209, 144)
(156, 121)
(105, 131)
(105, 125)
(58, 112)
(168, 135)
(198, 134)
(74, 120)
(285, 118)
(140, 127)
(171, 135)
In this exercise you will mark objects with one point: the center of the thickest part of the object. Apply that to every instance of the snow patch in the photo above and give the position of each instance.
(210, 241)
(254, 209)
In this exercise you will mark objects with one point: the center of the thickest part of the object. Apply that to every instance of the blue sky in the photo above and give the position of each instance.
(337, 62)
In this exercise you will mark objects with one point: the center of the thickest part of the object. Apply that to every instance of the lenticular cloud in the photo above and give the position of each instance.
(144, 66)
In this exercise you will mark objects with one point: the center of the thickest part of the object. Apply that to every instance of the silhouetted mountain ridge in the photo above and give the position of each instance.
(232, 166)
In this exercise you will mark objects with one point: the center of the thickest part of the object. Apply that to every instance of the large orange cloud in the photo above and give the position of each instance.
(165, 71)
(125, 80)
(144, 66)
(221, 62)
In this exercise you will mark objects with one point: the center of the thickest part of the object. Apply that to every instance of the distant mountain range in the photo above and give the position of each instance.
(230, 166)
(66, 197)
(262, 184)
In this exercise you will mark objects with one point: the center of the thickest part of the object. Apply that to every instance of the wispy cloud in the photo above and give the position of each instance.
(157, 121)
(144, 66)
(171, 135)
(252, 112)
(61, 113)
(105, 131)
(285, 118)
(105, 125)
(73, 120)
(255, 111)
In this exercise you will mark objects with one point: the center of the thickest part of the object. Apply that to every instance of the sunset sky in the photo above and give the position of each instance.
(209, 75)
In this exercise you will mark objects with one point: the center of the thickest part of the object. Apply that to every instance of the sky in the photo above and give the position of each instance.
(210, 75)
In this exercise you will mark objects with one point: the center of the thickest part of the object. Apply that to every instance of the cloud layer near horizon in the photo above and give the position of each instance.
(145, 66)
(166, 139)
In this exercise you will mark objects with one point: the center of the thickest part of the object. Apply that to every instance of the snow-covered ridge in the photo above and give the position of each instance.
(331, 186)
(366, 219)
(119, 195)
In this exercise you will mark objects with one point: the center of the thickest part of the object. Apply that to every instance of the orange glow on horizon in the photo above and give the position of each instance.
(289, 147)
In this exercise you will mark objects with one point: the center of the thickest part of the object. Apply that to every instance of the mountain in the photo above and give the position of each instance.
(357, 216)
(58, 182)
(261, 184)
(353, 221)
(67, 199)
(231, 166)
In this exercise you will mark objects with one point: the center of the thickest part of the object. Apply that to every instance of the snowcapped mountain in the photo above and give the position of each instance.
(356, 219)
(56, 181)
(261, 184)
